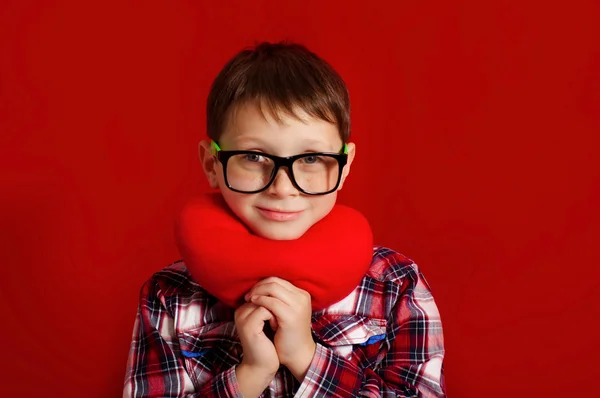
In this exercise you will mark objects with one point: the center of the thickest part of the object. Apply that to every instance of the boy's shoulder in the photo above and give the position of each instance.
(389, 265)
(173, 280)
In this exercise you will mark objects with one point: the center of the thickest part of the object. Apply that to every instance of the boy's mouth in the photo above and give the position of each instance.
(279, 215)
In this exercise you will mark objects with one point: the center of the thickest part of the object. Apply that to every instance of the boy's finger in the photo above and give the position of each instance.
(272, 289)
(286, 284)
(282, 282)
(274, 324)
(243, 311)
(258, 317)
(273, 305)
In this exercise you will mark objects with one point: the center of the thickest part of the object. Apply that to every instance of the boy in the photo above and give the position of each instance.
(283, 100)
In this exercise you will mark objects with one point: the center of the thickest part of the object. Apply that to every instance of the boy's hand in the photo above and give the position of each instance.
(260, 362)
(292, 309)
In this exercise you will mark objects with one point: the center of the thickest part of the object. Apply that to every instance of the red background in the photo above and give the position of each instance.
(476, 125)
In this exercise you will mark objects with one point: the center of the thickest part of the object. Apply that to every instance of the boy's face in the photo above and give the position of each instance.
(281, 212)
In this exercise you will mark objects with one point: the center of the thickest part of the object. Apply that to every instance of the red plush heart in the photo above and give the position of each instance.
(226, 259)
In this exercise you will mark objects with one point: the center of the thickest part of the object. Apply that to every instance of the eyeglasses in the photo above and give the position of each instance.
(316, 173)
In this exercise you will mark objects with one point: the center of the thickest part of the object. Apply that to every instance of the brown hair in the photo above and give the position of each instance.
(280, 77)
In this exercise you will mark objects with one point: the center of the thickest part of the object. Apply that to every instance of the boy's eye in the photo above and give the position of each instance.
(311, 159)
(253, 157)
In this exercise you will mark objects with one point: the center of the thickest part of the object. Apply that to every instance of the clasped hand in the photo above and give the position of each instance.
(288, 311)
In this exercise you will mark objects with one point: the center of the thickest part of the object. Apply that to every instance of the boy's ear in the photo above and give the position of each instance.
(209, 163)
(346, 169)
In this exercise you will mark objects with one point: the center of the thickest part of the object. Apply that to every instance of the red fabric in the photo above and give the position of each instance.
(226, 259)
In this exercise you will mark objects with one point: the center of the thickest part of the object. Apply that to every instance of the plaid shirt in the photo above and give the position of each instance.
(384, 339)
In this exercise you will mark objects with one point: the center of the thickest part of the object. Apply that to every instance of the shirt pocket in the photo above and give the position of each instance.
(357, 338)
(209, 350)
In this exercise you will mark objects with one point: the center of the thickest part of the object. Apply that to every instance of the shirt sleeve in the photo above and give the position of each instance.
(155, 366)
(412, 352)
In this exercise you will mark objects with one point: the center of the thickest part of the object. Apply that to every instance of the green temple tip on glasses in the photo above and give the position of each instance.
(214, 147)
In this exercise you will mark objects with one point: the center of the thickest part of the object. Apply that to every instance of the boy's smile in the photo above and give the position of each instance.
(279, 215)
(280, 212)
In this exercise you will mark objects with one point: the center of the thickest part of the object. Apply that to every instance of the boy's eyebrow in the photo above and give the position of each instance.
(260, 142)
(314, 142)
(249, 140)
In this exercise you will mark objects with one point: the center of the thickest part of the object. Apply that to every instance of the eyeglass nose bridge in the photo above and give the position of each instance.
(287, 163)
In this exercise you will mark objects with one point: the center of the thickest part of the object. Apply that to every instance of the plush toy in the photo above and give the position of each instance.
(227, 259)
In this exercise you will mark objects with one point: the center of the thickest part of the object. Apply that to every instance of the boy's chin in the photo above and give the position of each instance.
(281, 232)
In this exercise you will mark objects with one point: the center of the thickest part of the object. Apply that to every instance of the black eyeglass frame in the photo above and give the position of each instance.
(224, 156)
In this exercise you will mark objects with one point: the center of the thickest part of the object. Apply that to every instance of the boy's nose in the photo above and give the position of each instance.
(282, 186)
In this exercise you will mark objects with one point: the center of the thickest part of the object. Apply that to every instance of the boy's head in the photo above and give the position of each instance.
(271, 102)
